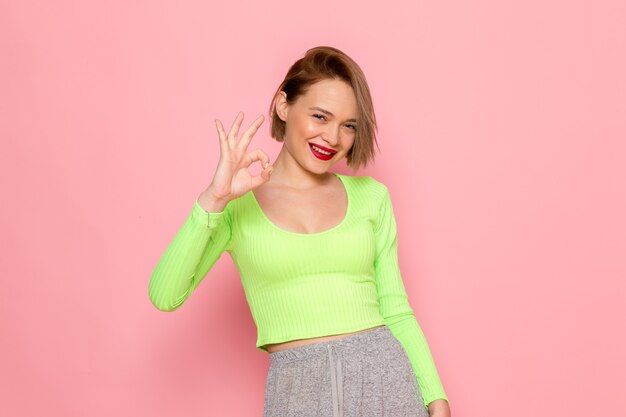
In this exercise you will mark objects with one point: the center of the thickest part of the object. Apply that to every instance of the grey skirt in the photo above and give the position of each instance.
(366, 374)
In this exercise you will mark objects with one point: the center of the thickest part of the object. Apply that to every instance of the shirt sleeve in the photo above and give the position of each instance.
(190, 255)
(395, 308)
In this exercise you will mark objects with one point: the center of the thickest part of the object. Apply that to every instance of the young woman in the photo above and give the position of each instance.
(316, 251)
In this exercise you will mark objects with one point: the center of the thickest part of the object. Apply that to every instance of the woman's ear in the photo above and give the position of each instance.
(282, 107)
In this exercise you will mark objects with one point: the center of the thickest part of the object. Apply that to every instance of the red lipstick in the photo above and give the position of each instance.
(319, 155)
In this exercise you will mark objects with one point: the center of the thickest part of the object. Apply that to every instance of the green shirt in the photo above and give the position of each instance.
(300, 286)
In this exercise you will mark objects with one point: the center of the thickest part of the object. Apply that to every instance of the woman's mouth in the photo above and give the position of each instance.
(321, 152)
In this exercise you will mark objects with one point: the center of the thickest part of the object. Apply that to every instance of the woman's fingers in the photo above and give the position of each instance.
(234, 129)
(256, 155)
(234, 149)
(249, 133)
(222, 136)
(262, 177)
(265, 174)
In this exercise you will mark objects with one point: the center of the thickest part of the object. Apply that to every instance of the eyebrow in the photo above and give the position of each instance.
(329, 113)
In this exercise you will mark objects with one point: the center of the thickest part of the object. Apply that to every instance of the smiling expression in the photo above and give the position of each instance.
(320, 125)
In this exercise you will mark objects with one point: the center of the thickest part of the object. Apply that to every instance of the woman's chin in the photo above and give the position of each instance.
(320, 168)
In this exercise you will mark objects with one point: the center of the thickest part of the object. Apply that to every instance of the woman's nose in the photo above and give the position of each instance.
(331, 135)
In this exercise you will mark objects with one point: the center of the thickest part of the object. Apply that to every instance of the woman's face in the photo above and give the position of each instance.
(320, 125)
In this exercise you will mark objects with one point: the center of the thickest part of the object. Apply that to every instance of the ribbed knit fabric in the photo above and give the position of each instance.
(300, 286)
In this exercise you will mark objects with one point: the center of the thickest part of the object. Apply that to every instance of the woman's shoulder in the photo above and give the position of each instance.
(365, 184)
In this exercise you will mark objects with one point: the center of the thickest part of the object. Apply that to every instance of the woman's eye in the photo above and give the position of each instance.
(319, 116)
(353, 127)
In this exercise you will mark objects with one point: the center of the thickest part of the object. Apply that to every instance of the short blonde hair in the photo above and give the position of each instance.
(321, 63)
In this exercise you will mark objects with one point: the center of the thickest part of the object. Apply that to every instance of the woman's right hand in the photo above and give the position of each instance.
(232, 178)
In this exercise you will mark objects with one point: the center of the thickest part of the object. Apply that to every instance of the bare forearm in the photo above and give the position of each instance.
(439, 408)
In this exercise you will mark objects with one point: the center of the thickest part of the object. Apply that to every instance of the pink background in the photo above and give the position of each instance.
(502, 130)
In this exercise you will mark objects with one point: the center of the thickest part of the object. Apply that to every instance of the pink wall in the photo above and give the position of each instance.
(502, 129)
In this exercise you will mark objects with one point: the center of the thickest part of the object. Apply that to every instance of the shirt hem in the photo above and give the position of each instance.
(261, 343)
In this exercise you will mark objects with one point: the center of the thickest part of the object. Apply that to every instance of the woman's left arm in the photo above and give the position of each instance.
(398, 314)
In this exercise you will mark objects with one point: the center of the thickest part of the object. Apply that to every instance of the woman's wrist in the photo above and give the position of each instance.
(210, 204)
(439, 408)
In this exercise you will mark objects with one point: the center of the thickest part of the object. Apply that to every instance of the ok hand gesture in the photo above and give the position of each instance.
(232, 178)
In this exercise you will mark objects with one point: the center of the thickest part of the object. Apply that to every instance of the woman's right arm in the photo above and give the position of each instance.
(196, 246)
(207, 230)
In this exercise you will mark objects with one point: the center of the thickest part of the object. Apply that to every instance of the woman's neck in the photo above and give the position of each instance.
(288, 172)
